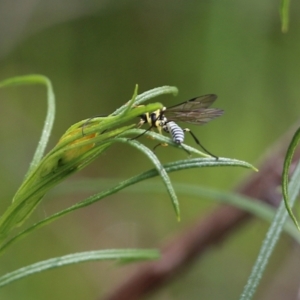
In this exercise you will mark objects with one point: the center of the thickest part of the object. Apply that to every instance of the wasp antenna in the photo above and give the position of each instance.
(198, 142)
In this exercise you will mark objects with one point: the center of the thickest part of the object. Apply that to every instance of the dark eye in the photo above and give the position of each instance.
(153, 117)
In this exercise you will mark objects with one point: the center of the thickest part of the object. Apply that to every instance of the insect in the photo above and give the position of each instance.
(195, 111)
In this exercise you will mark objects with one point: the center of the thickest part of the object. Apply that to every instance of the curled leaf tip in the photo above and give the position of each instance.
(285, 175)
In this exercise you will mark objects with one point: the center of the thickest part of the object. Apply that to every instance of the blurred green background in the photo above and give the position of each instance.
(94, 52)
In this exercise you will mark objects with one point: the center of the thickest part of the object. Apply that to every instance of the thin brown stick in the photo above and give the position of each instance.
(208, 231)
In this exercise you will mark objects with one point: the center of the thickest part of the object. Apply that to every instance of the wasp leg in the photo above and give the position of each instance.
(141, 123)
(160, 144)
(198, 142)
(165, 145)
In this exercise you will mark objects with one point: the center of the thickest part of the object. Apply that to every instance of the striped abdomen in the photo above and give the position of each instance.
(176, 132)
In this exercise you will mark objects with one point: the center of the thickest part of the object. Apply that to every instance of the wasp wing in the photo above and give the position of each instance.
(195, 103)
(194, 111)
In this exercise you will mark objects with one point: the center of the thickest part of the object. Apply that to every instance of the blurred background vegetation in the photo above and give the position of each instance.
(94, 52)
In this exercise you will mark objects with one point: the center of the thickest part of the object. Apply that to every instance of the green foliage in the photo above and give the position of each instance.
(289, 194)
(122, 255)
(270, 240)
(81, 144)
(94, 53)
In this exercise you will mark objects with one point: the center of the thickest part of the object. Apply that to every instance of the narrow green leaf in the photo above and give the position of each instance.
(48, 124)
(169, 167)
(131, 102)
(71, 154)
(254, 206)
(148, 95)
(160, 169)
(126, 255)
(284, 14)
(271, 239)
(285, 175)
(163, 140)
(52, 169)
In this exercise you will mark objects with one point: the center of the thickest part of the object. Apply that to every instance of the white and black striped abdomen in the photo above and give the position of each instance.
(176, 132)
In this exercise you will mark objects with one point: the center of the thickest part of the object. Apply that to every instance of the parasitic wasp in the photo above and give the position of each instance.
(196, 111)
